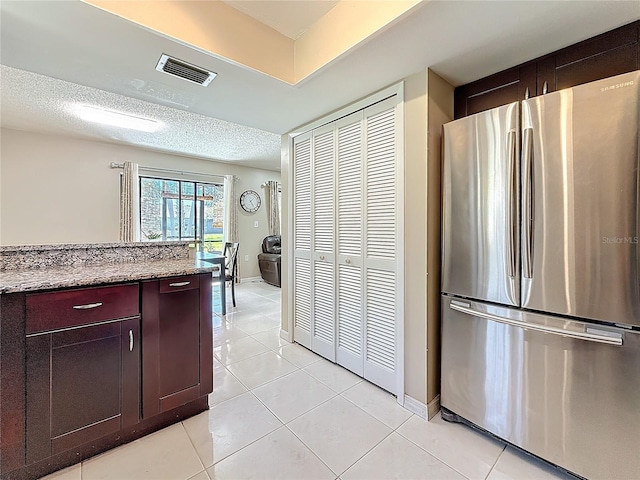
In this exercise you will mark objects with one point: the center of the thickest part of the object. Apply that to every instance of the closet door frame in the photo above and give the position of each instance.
(396, 90)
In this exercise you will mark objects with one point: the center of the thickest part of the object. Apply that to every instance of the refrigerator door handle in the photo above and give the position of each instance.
(513, 210)
(614, 339)
(527, 196)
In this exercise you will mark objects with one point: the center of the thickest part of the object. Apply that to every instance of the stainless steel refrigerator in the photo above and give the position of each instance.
(541, 275)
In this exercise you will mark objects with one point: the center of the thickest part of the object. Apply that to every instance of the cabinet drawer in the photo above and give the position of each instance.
(175, 284)
(70, 308)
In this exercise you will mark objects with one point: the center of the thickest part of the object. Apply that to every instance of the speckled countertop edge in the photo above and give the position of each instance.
(67, 277)
(74, 246)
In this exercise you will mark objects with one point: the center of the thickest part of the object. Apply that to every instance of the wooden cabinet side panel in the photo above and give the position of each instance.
(206, 334)
(150, 332)
(12, 381)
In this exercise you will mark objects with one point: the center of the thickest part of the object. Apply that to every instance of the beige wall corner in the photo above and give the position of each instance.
(344, 27)
(415, 308)
(440, 111)
(213, 27)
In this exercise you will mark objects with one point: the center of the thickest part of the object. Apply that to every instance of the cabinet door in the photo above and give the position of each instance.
(177, 343)
(502, 88)
(349, 308)
(323, 316)
(82, 384)
(302, 302)
(606, 55)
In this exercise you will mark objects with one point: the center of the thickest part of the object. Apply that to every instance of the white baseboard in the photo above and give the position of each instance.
(415, 406)
(285, 335)
(250, 279)
(433, 407)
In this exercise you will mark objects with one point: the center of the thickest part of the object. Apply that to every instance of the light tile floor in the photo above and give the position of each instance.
(278, 411)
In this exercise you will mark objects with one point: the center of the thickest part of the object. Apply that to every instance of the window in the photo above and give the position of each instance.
(181, 210)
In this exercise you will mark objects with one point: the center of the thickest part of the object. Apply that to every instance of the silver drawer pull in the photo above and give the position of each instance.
(87, 306)
(131, 340)
(348, 260)
(179, 284)
(322, 257)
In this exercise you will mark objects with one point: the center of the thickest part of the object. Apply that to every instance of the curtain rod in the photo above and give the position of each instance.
(264, 184)
(168, 170)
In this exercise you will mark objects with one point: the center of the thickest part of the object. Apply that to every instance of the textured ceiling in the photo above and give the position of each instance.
(290, 18)
(35, 102)
(78, 43)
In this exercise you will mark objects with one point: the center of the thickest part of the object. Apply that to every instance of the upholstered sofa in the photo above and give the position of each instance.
(269, 260)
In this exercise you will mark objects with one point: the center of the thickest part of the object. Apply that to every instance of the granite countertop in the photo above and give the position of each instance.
(30, 280)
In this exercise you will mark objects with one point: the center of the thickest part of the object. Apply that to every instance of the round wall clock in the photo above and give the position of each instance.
(250, 201)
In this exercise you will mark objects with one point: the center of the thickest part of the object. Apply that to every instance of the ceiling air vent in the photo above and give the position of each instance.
(185, 70)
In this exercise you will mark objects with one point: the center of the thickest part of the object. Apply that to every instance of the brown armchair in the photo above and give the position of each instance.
(269, 260)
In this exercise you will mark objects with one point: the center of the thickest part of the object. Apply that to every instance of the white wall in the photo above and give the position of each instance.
(56, 189)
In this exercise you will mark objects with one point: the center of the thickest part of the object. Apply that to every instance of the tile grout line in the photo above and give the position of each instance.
(496, 462)
(193, 446)
(433, 454)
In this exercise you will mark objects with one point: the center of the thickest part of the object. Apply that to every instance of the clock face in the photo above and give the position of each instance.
(250, 201)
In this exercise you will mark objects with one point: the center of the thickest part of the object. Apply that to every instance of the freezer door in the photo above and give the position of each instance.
(580, 190)
(566, 391)
(480, 257)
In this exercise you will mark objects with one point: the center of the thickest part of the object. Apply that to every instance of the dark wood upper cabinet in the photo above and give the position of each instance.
(606, 55)
(177, 337)
(499, 89)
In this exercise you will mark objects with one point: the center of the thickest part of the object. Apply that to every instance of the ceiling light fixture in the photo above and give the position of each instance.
(116, 119)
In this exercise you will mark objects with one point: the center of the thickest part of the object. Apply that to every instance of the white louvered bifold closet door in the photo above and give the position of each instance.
(349, 183)
(348, 219)
(382, 240)
(323, 319)
(302, 279)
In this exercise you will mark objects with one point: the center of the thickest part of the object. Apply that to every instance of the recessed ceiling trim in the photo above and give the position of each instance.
(187, 71)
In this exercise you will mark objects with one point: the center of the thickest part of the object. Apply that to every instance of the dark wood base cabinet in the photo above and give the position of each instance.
(177, 342)
(84, 370)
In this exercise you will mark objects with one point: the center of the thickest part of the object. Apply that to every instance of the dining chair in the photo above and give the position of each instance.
(231, 266)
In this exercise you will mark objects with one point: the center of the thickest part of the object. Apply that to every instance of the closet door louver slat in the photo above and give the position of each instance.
(302, 195)
(302, 267)
(302, 299)
(380, 328)
(324, 154)
(349, 315)
(324, 284)
(380, 188)
(381, 243)
(350, 319)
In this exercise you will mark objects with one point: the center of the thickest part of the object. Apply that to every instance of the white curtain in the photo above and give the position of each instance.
(231, 212)
(273, 205)
(130, 203)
